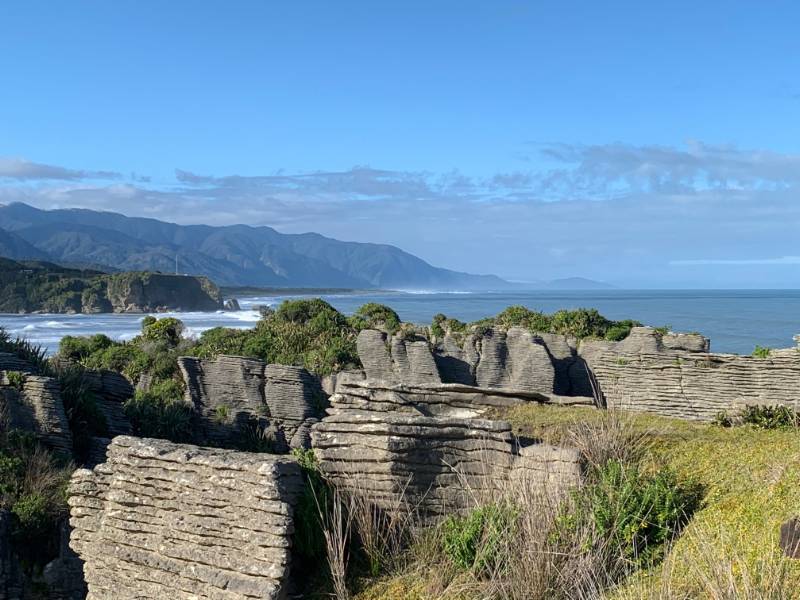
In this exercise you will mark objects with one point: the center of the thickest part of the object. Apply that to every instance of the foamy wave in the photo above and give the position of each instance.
(429, 292)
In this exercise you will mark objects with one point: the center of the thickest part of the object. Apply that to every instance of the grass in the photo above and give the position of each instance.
(728, 550)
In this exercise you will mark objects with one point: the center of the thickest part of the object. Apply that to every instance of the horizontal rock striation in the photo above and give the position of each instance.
(354, 393)
(34, 404)
(435, 465)
(676, 376)
(164, 520)
(232, 395)
(112, 390)
(396, 359)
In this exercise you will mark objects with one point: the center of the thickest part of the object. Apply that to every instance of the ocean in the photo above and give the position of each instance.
(735, 320)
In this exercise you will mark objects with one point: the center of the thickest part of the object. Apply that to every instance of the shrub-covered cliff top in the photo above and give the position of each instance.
(35, 286)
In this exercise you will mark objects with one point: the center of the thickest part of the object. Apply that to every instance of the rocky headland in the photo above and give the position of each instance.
(34, 286)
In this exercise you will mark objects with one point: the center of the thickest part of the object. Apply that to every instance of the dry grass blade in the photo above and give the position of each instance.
(336, 524)
(613, 436)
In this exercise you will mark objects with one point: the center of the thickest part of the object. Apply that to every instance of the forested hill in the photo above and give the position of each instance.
(235, 255)
(37, 286)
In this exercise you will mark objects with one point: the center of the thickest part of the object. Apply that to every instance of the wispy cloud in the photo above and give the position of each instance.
(614, 212)
(783, 260)
(20, 169)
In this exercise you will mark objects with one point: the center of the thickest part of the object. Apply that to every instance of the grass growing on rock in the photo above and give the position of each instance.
(729, 547)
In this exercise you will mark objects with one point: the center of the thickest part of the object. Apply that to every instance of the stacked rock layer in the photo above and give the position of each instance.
(164, 520)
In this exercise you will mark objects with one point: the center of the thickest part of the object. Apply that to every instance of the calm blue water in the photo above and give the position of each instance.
(736, 321)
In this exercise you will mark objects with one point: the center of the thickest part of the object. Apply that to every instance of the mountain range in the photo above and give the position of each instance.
(235, 255)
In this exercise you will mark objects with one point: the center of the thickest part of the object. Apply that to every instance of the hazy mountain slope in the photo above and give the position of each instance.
(232, 255)
(13, 246)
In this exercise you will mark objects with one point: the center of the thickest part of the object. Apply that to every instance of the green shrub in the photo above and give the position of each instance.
(15, 379)
(634, 513)
(770, 417)
(167, 330)
(663, 330)
(309, 539)
(620, 330)
(478, 542)
(375, 316)
(762, 352)
(161, 412)
(33, 484)
(86, 420)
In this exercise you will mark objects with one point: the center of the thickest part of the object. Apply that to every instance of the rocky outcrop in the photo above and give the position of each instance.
(63, 576)
(158, 292)
(232, 395)
(676, 376)
(355, 393)
(111, 390)
(395, 359)
(435, 465)
(164, 520)
(33, 403)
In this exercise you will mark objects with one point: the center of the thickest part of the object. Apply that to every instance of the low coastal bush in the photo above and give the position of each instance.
(761, 352)
(160, 412)
(580, 323)
(770, 417)
(85, 418)
(478, 542)
(375, 316)
(33, 484)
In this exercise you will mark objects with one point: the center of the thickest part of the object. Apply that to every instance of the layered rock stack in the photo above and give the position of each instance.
(164, 520)
(231, 393)
(435, 465)
(112, 390)
(33, 403)
(676, 376)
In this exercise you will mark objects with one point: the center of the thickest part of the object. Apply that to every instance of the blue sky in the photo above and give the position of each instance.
(646, 144)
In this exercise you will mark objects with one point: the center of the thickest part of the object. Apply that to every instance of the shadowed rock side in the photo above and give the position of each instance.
(231, 393)
(33, 403)
(676, 376)
(164, 520)
(111, 390)
(434, 464)
(10, 577)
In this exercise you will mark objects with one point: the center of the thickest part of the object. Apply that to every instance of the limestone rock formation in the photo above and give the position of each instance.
(396, 359)
(232, 395)
(164, 520)
(111, 390)
(676, 376)
(435, 464)
(354, 393)
(33, 403)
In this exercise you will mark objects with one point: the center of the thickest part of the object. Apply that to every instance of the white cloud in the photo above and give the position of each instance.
(21, 169)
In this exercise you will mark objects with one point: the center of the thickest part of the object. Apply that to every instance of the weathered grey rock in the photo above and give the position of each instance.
(453, 362)
(790, 538)
(234, 396)
(232, 304)
(436, 465)
(563, 355)
(513, 360)
(227, 394)
(111, 390)
(163, 520)
(396, 359)
(645, 374)
(10, 362)
(37, 407)
(444, 399)
(292, 396)
(64, 575)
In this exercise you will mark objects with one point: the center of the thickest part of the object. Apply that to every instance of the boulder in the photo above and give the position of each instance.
(164, 520)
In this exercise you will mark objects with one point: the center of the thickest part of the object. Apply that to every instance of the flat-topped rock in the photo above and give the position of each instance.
(164, 520)
(436, 465)
(675, 375)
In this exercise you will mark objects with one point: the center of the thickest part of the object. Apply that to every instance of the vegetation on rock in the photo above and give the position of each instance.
(35, 286)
